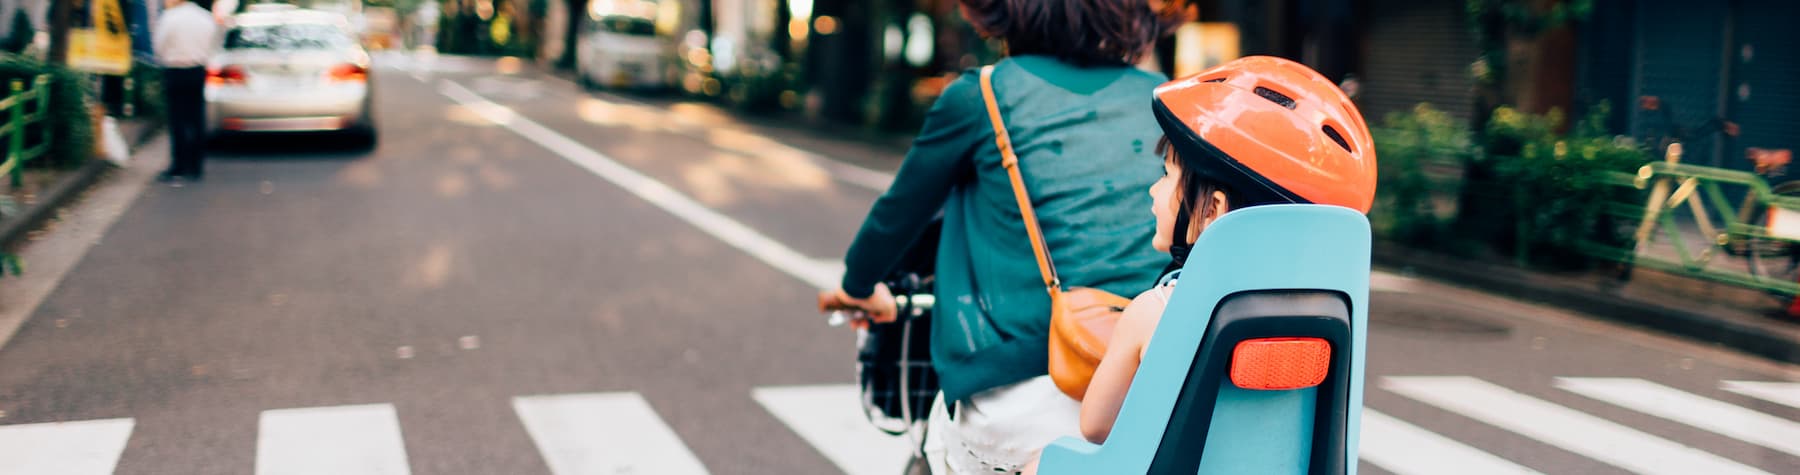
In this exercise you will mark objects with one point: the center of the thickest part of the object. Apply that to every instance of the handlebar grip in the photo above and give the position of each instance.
(918, 304)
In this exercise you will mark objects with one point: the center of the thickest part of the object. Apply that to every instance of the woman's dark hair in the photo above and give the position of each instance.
(1084, 32)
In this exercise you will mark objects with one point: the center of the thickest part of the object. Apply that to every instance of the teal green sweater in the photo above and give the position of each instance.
(1085, 140)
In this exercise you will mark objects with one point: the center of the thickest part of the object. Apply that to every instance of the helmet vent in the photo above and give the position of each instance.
(1217, 79)
(1275, 97)
(1336, 137)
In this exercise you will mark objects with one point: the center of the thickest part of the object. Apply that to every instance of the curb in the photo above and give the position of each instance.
(60, 193)
(1588, 297)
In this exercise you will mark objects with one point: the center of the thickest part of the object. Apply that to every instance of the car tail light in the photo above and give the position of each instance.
(349, 73)
(1274, 364)
(225, 75)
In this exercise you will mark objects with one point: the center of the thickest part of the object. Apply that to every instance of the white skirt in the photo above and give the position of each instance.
(1000, 430)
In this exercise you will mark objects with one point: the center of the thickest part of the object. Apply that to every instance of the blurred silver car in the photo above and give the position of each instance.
(290, 71)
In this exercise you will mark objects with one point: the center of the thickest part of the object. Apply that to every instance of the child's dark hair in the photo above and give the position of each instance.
(1190, 185)
(1193, 184)
(1084, 32)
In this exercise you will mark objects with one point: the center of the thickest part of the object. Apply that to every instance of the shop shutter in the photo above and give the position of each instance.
(1679, 59)
(1764, 93)
(1418, 51)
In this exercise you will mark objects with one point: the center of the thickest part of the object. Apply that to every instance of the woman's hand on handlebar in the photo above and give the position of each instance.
(879, 307)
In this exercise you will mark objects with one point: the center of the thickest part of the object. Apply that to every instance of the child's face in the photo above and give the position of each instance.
(1163, 204)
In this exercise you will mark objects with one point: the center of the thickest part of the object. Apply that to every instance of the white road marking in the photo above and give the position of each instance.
(1406, 449)
(63, 448)
(604, 433)
(819, 273)
(1562, 427)
(339, 440)
(1384, 281)
(1780, 393)
(1680, 406)
(867, 178)
(831, 419)
(877, 181)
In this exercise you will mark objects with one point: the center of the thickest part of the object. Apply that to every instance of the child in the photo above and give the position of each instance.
(1254, 131)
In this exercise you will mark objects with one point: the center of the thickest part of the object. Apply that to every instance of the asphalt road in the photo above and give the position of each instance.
(525, 278)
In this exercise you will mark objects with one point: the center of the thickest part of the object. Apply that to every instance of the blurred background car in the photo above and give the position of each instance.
(290, 71)
(620, 46)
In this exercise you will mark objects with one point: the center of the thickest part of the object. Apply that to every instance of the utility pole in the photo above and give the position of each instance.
(59, 31)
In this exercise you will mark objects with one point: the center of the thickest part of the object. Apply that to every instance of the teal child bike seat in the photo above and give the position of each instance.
(1260, 272)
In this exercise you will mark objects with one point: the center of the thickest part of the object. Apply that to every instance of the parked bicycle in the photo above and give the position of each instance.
(1762, 228)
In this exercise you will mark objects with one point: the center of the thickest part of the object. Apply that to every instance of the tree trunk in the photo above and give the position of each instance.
(60, 17)
(1549, 73)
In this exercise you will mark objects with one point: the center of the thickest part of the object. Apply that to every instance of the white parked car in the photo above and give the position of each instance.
(619, 47)
(290, 71)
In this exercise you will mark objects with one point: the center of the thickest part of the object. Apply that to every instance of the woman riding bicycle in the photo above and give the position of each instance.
(1075, 109)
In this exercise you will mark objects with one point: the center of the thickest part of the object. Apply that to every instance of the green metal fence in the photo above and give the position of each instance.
(22, 109)
(1687, 225)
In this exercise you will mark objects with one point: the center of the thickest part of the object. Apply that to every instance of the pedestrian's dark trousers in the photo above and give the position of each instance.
(185, 89)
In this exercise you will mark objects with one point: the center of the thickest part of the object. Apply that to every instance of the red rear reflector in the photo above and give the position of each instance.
(225, 75)
(1274, 364)
(349, 72)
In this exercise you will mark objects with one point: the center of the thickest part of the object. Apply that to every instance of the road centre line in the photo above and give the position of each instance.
(864, 177)
(816, 272)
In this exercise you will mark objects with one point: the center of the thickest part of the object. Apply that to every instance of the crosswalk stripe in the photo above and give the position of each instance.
(1780, 393)
(831, 419)
(63, 448)
(341, 440)
(1679, 406)
(604, 433)
(1406, 449)
(1559, 426)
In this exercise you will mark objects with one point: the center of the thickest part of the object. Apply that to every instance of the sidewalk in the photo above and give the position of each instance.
(1738, 318)
(104, 193)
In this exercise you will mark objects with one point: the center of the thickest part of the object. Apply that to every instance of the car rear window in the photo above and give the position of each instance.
(624, 25)
(297, 36)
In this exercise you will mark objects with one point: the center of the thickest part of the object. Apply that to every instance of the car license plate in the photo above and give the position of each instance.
(628, 74)
(282, 83)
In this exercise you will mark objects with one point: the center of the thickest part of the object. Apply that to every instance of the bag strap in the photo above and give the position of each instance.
(1010, 161)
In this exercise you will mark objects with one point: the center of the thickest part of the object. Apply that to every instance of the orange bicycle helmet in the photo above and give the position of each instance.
(1272, 130)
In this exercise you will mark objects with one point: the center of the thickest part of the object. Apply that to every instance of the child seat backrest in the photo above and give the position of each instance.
(1265, 288)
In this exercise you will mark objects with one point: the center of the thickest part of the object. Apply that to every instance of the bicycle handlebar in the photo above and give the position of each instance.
(911, 306)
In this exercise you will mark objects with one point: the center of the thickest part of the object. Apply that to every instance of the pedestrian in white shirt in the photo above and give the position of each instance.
(185, 36)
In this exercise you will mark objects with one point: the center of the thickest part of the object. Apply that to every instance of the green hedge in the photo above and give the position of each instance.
(1413, 204)
(1558, 181)
(148, 94)
(1543, 193)
(73, 140)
